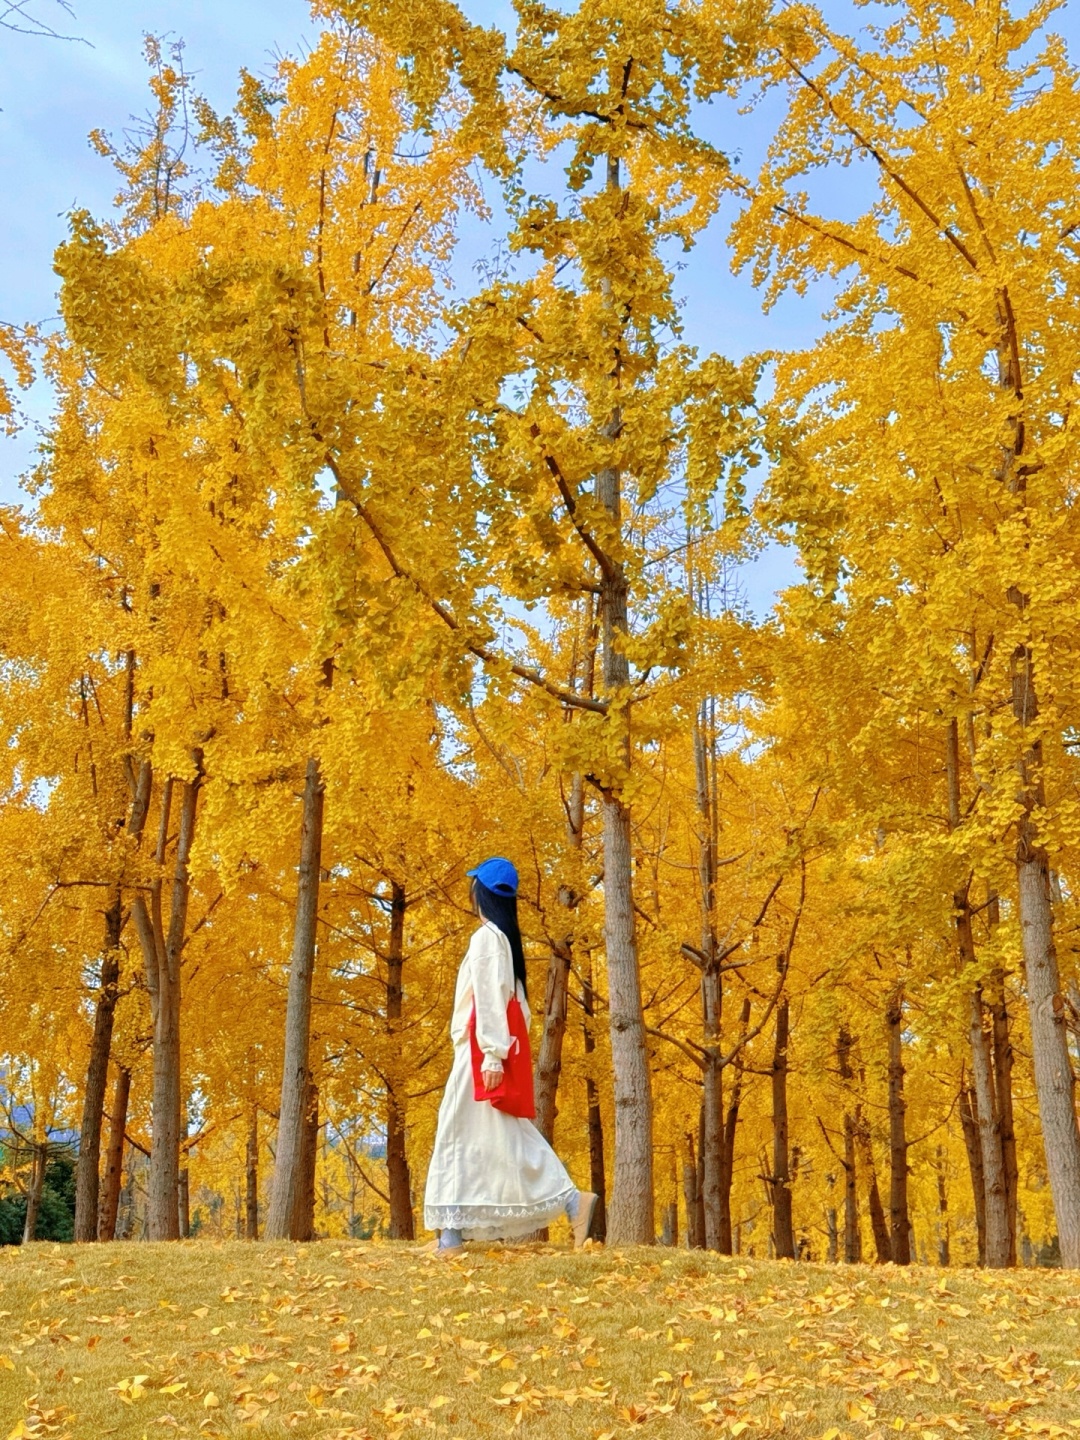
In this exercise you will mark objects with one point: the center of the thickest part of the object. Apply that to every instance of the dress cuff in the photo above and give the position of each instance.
(492, 1062)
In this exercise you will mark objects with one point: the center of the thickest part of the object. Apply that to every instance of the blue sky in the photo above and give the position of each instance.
(53, 93)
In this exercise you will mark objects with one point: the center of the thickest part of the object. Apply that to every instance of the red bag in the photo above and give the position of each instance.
(514, 1092)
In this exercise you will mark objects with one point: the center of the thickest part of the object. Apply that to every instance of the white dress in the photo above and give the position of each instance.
(492, 1175)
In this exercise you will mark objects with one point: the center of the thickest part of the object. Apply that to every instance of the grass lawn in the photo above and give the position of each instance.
(350, 1340)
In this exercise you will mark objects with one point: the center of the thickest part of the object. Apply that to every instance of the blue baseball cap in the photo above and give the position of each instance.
(497, 875)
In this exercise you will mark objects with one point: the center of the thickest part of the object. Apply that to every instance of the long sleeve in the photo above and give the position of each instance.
(493, 985)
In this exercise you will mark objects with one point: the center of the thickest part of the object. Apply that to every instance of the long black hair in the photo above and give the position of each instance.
(501, 910)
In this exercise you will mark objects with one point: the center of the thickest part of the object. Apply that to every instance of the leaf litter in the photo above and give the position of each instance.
(368, 1341)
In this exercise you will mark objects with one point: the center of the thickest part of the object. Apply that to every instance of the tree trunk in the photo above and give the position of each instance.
(671, 1214)
(287, 1204)
(701, 1166)
(303, 1219)
(114, 1157)
(183, 1202)
(852, 1234)
(943, 1210)
(163, 1213)
(631, 1220)
(984, 1113)
(129, 1200)
(399, 1181)
(900, 1221)
(162, 957)
(712, 1117)
(845, 1042)
(882, 1243)
(597, 1176)
(970, 1125)
(97, 1075)
(695, 1211)
(1055, 1083)
(1003, 1089)
(39, 1159)
(780, 1181)
(731, 1129)
(549, 1054)
(251, 1177)
(87, 1172)
(993, 1165)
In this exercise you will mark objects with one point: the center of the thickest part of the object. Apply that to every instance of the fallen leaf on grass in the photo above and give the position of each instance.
(131, 1390)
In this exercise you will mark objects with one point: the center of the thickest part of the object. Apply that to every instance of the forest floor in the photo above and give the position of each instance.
(344, 1340)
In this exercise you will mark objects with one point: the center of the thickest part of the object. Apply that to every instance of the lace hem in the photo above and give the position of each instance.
(497, 1222)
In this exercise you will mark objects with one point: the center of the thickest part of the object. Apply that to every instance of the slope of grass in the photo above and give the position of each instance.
(345, 1341)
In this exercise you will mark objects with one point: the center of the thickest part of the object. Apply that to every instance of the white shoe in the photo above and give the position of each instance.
(586, 1207)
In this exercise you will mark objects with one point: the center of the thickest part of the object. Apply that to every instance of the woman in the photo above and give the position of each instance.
(493, 1175)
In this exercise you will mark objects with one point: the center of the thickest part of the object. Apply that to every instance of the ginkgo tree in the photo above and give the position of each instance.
(340, 569)
(568, 477)
(931, 478)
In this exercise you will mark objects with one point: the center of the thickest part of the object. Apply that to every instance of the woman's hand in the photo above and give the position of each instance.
(491, 1078)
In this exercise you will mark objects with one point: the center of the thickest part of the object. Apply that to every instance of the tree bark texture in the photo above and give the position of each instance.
(1055, 1083)
(943, 1210)
(878, 1224)
(1054, 1080)
(39, 1160)
(852, 1235)
(251, 1178)
(712, 1115)
(183, 1202)
(303, 1223)
(399, 1181)
(597, 1172)
(1003, 1088)
(630, 1216)
(995, 1198)
(995, 1190)
(287, 1205)
(97, 1074)
(695, 1210)
(162, 952)
(780, 1180)
(549, 1055)
(899, 1218)
(631, 1219)
(671, 1213)
(113, 1177)
(128, 1217)
(712, 1118)
(731, 1130)
(832, 1232)
(973, 1145)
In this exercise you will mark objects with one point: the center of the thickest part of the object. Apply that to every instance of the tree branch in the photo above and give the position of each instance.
(447, 616)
